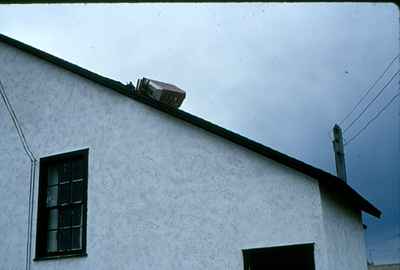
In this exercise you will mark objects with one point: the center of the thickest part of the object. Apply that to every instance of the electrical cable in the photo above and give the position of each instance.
(372, 101)
(368, 91)
(32, 176)
(375, 117)
(16, 123)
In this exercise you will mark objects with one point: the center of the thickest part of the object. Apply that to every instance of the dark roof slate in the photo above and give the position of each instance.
(328, 180)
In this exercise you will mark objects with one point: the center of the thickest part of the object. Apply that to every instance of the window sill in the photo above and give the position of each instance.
(45, 258)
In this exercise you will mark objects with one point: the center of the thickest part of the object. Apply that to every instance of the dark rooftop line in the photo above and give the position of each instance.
(325, 178)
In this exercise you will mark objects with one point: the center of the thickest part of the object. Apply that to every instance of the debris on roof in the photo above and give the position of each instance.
(166, 93)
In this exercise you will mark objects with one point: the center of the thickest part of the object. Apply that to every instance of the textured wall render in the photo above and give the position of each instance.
(345, 233)
(14, 194)
(162, 194)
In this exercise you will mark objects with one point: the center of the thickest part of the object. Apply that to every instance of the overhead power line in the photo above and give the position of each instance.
(373, 119)
(372, 101)
(369, 90)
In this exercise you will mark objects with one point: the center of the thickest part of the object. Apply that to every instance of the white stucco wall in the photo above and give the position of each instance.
(162, 193)
(345, 233)
(14, 194)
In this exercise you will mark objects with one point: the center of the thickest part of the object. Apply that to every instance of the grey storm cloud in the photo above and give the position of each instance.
(281, 74)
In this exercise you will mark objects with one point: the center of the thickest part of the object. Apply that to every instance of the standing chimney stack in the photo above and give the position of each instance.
(339, 152)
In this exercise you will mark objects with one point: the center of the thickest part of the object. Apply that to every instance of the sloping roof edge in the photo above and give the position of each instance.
(325, 178)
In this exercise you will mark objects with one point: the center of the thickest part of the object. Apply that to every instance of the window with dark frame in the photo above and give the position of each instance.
(62, 205)
(299, 256)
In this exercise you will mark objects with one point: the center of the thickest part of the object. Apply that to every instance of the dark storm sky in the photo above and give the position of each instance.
(281, 74)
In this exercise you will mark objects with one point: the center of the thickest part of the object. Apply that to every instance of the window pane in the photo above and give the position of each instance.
(52, 196)
(64, 193)
(65, 217)
(76, 238)
(62, 201)
(77, 215)
(52, 221)
(77, 168)
(65, 171)
(52, 175)
(64, 239)
(77, 191)
(51, 241)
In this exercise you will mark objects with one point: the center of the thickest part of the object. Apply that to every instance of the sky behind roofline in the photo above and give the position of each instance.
(280, 74)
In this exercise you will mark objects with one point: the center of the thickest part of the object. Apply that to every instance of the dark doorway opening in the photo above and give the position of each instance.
(300, 257)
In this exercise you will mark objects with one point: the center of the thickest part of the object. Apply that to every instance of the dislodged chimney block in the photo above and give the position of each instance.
(163, 92)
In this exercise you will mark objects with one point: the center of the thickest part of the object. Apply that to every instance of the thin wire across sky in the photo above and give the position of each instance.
(369, 90)
(357, 118)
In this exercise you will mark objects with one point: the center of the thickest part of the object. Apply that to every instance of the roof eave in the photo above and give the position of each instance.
(320, 175)
(291, 162)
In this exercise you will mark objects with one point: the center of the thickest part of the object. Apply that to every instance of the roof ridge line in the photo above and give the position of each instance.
(291, 162)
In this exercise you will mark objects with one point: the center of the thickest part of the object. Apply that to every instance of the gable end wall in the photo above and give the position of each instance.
(163, 194)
